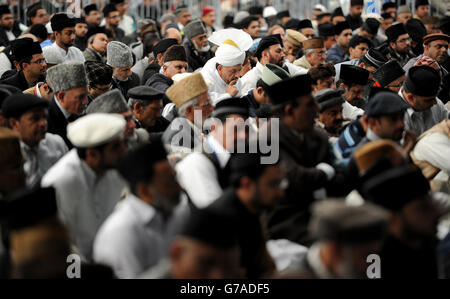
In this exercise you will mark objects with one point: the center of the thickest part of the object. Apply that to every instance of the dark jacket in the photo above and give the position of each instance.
(299, 155)
(253, 105)
(4, 41)
(57, 122)
(18, 80)
(80, 43)
(117, 34)
(91, 55)
(355, 23)
(150, 71)
(254, 256)
(162, 83)
(124, 86)
(195, 60)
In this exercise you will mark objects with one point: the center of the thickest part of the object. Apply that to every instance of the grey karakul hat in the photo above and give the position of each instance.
(118, 55)
(109, 102)
(65, 76)
(194, 28)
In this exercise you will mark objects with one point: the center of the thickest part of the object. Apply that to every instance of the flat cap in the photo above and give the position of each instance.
(194, 28)
(354, 74)
(65, 76)
(388, 72)
(145, 93)
(334, 220)
(295, 37)
(109, 102)
(60, 21)
(385, 103)
(435, 36)
(341, 26)
(289, 89)
(28, 207)
(314, 43)
(395, 188)
(327, 98)
(266, 42)
(95, 129)
(231, 106)
(118, 55)
(272, 74)
(326, 30)
(395, 31)
(17, 104)
(98, 72)
(163, 45)
(423, 81)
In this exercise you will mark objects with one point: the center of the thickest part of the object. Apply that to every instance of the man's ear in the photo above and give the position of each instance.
(60, 96)
(288, 109)
(12, 122)
(392, 45)
(137, 108)
(93, 155)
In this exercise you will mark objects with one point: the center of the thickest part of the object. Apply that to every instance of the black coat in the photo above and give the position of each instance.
(4, 41)
(150, 71)
(18, 80)
(125, 86)
(162, 83)
(195, 60)
(290, 217)
(57, 122)
(254, 257)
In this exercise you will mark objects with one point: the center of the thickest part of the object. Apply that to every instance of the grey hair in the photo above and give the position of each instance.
(182, 109)
(132, 102)
(309, 51)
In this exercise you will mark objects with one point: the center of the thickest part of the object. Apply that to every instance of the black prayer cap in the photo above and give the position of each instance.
(80, 21)
(4, 9)
(59, 21)
(89, 8)
(374, 57)
(337, 12)
(211, 227)
(266, 42)
(421, 2)
(117, 1)
(163, 45)
(39, 30)
(98, 72)
(283, 13)
(145, 93)
(10, 88)
(290, 89)
(396, 187)
(292, 24)
(422, 81)
(341, 26)
(33, 8)
(27, 207)
(395, 31)
(306, 23)
(326, 30)
(385, 103)
(255, 10)
(354, 74)
(95, 30)
(389, 5)
(371, 25)
(25, 47)
(356, 2)
(388, 72)
(137, 165)
(109, 8)
(328, 98)
(17, 104)
(416, 30)
(334, 220)
(444, 25)
(247, 164)
(231, 106)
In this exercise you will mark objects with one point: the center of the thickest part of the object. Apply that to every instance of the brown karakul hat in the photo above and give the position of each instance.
(435, 36)
(186, 89)
(10, 150)
(314, 43)
(370, 153)
(175, 52)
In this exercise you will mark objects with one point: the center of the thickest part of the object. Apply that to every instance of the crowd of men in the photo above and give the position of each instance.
(131, 144)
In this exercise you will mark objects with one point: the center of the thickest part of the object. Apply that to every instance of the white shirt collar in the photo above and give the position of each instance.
(64, 111)
(144, 211)
(410, 110)
(219, 151)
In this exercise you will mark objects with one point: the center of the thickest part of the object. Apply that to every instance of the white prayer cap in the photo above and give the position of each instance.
(242, 39)
(95, 129)
(320, 7)
(229, 55)
(52, 55)
(48, 26)
(269, 11)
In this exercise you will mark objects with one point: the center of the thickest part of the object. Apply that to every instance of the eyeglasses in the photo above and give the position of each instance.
(207, 104)
(39, 61)
(404, 40)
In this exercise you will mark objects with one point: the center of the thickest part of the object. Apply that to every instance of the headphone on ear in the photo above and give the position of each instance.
(91, 40)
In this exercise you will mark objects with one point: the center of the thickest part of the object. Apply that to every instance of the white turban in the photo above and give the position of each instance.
(229, 55)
